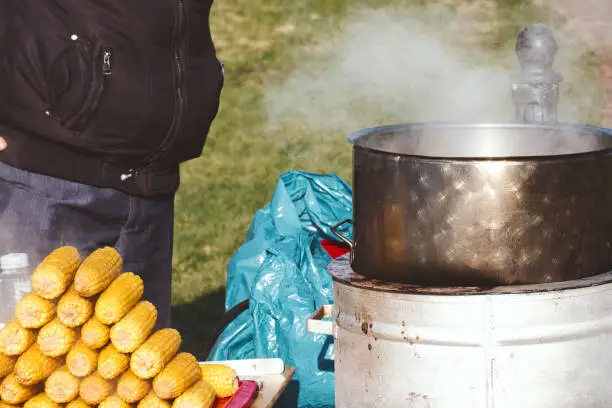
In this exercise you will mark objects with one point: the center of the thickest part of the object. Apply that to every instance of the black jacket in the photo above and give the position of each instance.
(110, 93)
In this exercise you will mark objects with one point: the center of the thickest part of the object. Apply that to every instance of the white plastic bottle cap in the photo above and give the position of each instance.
(14, 261)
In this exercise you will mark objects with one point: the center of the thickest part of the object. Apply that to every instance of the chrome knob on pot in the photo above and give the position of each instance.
(535, 89)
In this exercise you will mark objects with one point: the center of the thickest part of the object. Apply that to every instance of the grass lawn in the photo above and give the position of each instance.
(301, 75)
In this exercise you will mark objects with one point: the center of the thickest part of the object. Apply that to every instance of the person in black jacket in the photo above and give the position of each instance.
(100, 101)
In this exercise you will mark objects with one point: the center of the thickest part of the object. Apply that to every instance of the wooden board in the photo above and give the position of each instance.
(273, 387)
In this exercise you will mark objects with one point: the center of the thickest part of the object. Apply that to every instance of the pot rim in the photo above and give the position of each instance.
(356, 137)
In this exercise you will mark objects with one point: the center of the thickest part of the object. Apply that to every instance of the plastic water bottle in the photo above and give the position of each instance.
(15, 283)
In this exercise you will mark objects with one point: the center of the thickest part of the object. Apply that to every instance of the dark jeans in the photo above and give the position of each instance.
(40, 213)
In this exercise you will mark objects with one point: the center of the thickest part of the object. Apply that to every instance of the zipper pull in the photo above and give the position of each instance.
(107, 61)
(130, 174)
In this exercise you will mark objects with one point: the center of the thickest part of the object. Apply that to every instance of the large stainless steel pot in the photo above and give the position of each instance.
(481, 204)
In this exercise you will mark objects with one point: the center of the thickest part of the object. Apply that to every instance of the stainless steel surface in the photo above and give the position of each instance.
(486, 204)
(342, 273)
(518, 347)
(535, 90)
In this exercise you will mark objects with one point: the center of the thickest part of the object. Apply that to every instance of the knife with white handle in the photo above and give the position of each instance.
(253, 367)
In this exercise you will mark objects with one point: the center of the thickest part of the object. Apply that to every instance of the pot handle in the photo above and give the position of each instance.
(344, 239)
(316, 325)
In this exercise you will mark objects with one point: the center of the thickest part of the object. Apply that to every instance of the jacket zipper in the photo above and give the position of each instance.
(177, 118)
(107, 61)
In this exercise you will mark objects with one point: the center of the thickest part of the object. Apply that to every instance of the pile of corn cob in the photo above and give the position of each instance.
(85, 338)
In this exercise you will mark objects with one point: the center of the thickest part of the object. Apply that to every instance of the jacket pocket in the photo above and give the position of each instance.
(204, 83)
(76, 81)
(87, 87)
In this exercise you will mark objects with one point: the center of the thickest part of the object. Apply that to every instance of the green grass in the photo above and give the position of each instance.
(262, 43)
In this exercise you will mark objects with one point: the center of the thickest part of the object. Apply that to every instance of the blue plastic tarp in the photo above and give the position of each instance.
(281, 268)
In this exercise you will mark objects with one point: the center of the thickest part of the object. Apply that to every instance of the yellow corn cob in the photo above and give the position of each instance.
(7, 405)
(95, 334)
(81, 360)
(41, 400)
(114, 401)
(119, 298)
(223, 379)
(97, 271)
(33, 311)
(112, 363)
(131, 388)
(181, 373)
(55, 339)
(78, 403)
(55, 273)
(33, 366)
(62, 386)
(7, 364)
(73, 309)
(95, 389)
(199, 395)
(149, 359)
(13, 392)
(153, 401)
(132, 330)
(14, 339)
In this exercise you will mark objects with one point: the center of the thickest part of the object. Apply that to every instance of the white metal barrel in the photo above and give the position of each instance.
(536, 346)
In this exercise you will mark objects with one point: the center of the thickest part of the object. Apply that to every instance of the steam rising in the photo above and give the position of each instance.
(413, 65)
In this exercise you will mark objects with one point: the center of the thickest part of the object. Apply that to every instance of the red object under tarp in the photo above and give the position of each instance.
(334, 249)
(247, 392)
(221, 402)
